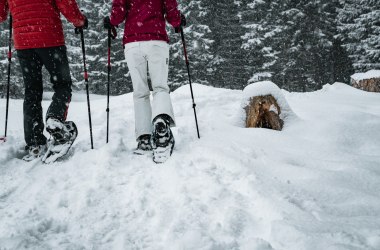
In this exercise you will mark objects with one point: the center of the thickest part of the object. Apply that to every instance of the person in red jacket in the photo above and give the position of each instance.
(146, 47)
(39, 41)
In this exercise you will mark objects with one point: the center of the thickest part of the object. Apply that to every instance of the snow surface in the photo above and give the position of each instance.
(314, 185)
(367, 75)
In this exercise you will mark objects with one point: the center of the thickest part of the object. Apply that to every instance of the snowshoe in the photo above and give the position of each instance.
(34, 152)
(143, 146)
(63, 135)
(162, 139)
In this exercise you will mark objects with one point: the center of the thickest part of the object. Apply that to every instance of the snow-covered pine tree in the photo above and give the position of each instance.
(259, 55)
(230, 41)
(359, 29)
(97, 52)
(198, 43)
(3, 57)
(303, 44)
(370, 19)
(227, 32)
(16, 83)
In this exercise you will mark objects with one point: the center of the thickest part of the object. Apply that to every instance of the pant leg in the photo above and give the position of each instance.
(56, 62)
(158, 62)
(31, 67)
(137, 65)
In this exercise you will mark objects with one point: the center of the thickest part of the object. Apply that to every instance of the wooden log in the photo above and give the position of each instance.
(263, 112)
(367, 84)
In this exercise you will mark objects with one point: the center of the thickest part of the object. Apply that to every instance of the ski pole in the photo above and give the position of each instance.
(108, 84)
(113, 36)
(80, 31)
(188, 72)
(9, 78)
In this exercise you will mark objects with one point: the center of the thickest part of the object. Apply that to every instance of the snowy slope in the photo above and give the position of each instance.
(315, 185)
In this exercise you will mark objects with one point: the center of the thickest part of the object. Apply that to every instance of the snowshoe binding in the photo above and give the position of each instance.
(63, 135)
(34, 152)
(143, 146)
(162, 139)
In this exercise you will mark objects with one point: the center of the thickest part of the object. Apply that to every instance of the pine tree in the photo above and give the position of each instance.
(258, 53)
(97, 52)
(229, 64)
(369, 22)
(359, 29)
(300, 45)
(303, 44)
(198, 43)
(16, 83)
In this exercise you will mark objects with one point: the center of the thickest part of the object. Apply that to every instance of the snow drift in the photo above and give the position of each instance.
(314, 185)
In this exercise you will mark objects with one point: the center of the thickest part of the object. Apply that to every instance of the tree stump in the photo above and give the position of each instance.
(263, 112)
(369, 81)
(370, 85)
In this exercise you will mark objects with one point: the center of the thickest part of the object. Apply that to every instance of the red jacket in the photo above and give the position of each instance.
(145, 19)
(37, 23)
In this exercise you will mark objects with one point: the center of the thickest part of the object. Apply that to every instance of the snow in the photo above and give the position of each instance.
(314, 185)
(367, 75)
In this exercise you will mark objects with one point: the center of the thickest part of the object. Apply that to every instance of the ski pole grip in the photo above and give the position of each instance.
(9, 54)
(86, 75)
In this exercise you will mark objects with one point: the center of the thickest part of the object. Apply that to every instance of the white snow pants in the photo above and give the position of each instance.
(153, 55)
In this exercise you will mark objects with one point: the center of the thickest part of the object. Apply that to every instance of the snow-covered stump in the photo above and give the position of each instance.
(263, 112)
(369, 81)
(265, 106)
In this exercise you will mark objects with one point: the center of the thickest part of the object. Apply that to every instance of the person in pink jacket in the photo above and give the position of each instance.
(146, 47)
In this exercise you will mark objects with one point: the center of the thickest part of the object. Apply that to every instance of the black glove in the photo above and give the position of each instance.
(183, 24)
(107, 25)
(83, 27)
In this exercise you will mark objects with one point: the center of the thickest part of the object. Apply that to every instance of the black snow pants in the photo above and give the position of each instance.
(55, 61)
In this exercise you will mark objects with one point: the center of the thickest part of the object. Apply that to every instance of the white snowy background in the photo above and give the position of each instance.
(314, 185)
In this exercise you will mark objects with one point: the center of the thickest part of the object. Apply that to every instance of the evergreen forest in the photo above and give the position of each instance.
(300, 45)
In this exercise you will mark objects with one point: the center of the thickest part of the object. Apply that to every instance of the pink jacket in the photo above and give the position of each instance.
(145, 19)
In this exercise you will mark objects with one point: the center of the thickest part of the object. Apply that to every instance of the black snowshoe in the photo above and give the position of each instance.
(162, 139)
(63, 135)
